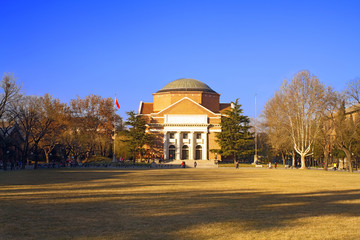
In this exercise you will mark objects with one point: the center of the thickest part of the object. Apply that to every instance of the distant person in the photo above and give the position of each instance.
(183, 164)
(275, 164)
(237, 165)
(335, 166)
(269, 165)
(195, 164)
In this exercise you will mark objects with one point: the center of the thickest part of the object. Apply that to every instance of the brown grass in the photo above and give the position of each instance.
(179, 204)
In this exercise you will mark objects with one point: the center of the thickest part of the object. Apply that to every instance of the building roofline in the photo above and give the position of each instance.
(191, 101)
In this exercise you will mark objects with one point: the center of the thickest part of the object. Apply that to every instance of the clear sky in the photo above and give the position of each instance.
(134, 48)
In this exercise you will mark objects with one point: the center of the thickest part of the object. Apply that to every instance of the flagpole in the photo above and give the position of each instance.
(114, 152)
(117, 107)
(255, 156)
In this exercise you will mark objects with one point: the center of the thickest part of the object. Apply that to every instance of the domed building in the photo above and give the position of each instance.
(184, 115)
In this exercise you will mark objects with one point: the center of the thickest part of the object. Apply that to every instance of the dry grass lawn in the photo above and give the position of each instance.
(179, 204)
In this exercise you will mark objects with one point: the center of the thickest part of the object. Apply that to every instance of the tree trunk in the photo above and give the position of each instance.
(283, 158)
(348, 157)
(303, 165)
(24, 154)
(293, 158)
(46, 157)
(36, 155)
(36, 160)
(326, 160)
(23, 161)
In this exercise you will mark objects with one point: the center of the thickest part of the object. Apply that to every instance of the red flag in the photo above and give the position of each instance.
(117, 103)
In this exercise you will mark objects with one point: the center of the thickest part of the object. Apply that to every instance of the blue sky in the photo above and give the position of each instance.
(134, 48)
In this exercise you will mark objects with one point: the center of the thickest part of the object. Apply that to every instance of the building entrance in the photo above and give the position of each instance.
(171, 152)
(198, 152)
(185, 152)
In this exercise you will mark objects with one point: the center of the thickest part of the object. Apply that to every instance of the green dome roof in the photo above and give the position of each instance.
(186, 84)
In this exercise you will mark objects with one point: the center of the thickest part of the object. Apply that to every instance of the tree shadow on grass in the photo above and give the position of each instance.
(143, 210)
(161, 215)
(57, 176)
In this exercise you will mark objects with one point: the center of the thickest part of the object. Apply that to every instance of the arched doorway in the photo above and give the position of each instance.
(171, 152)
(185, 152)
(198, 152)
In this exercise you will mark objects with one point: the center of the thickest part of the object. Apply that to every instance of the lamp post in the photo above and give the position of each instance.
(255, 156)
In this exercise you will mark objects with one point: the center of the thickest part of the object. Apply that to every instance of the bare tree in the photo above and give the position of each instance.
(25, 114)
(346, 121)
(301, 103)
(37, 117)
(352, 92)
(93, 117)
(326, 136)
(50, 125)
(10, 91)
(277, 126)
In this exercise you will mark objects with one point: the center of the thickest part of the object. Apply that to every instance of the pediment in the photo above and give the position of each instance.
(186, 106)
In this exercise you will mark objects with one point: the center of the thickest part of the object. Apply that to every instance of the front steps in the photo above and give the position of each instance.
(190, 163)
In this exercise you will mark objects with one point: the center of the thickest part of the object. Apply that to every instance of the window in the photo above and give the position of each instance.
(198, 136)
(171, 135)
(185, 136)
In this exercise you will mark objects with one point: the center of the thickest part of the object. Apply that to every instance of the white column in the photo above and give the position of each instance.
(178, 145)
(165, 146)
(191, 146)
(204, 151)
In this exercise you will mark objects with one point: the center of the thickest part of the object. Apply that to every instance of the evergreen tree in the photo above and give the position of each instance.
(136, 134)
(235, 138)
